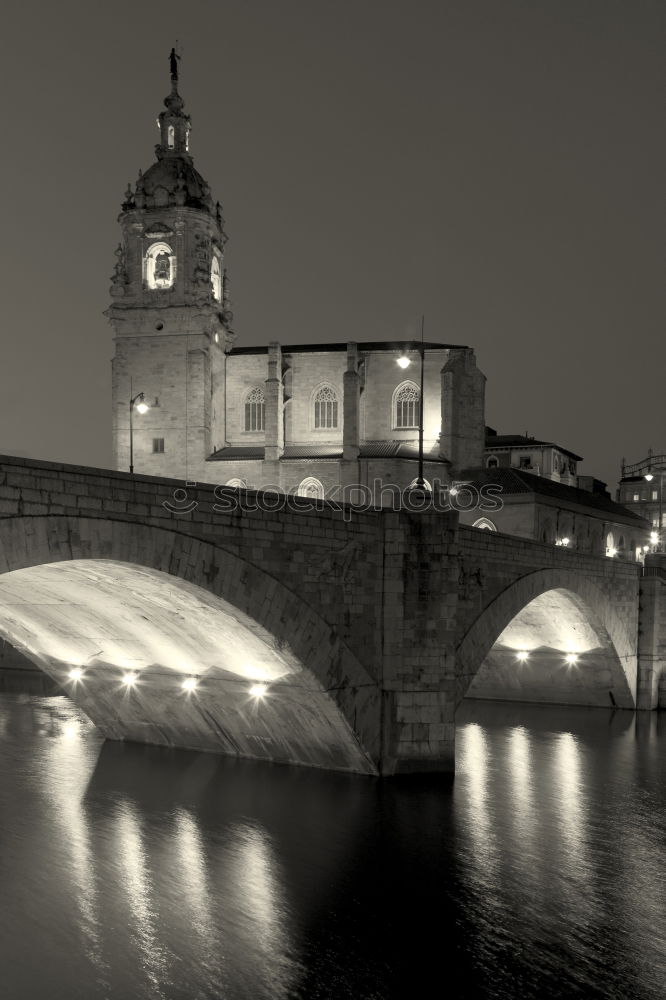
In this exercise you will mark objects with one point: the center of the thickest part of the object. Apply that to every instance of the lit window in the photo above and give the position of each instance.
(637, 496)
(158, 446)
(326, 408)
(255, 410)
(407, 405)
(171, 137)
(655, 495)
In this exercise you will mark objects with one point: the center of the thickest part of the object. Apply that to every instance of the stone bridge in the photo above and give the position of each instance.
(297, 631)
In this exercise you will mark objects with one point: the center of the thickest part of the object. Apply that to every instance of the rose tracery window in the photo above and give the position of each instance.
(326, 408)
(406, 405)
(255, 410)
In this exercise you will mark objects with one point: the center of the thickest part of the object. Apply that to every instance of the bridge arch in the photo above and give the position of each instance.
(562, 619)
(321, 706)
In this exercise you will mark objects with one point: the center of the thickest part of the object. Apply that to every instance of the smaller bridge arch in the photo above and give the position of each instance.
(551, 635)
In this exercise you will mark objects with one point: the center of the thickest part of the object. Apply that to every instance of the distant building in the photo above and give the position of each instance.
(542, 458)
(582, 517)
(641, 490)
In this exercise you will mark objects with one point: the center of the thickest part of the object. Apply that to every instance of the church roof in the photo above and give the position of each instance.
(363, 346)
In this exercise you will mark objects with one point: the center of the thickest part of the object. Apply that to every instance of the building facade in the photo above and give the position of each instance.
(542, 458)
(582, 517)
(641, 490)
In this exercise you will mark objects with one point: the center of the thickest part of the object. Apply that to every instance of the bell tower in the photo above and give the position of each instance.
(170, 310)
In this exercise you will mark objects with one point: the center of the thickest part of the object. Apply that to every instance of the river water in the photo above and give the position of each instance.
(131, 872)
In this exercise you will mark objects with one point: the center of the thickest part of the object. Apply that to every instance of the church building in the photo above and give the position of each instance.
(190, 405)
(308, 419)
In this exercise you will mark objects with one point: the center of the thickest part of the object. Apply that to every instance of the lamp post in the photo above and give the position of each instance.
(404, 362)
(142, 407)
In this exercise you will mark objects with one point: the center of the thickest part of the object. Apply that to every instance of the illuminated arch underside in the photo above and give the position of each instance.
(549, 627)
(109, 617)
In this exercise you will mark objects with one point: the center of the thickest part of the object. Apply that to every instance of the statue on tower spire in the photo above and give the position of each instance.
(173, 64)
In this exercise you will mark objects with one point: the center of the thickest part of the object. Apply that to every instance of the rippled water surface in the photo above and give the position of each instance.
(132, 872)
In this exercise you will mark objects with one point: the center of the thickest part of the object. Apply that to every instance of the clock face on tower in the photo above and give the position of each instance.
(216, 278)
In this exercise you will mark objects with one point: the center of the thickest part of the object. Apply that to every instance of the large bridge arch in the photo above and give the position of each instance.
(324, 712)
(553, 594)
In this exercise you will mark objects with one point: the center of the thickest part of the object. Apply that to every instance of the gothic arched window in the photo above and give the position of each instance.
(326, 408)
(312, 488)
(160, 266)
(406, 405)
(216, 278)
(255, 410)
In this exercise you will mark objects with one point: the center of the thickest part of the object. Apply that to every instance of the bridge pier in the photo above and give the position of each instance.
(652, 633)
(421, 566)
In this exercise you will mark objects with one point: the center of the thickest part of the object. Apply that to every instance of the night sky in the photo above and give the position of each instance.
(496, 165)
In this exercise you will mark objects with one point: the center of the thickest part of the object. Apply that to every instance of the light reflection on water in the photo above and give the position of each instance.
(138, 872)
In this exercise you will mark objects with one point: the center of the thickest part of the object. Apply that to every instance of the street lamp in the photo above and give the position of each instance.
(138, 401)
(404, 362)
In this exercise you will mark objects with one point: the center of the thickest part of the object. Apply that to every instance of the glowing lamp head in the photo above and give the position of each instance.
(522, 655)
(654, 537)
(130, 679)
(142, 407)
(403, 361)
(190, 684)
(566, 541)
(75, 674)
(649, 477)
(453, 491)
(258, 690)
(571, 658)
